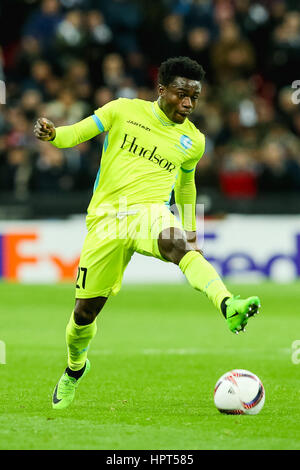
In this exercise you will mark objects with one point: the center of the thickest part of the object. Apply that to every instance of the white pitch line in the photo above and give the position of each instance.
(182, 351)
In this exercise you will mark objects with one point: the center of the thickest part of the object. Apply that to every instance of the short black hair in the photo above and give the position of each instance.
(179, 67)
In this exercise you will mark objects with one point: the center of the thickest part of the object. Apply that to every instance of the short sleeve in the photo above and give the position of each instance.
(105, 115)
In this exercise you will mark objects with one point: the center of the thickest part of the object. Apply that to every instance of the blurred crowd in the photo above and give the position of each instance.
(73, 56)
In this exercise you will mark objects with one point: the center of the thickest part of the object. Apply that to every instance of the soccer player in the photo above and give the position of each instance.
(150, 149)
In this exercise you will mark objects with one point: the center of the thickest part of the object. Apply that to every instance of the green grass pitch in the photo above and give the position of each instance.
(155, 360)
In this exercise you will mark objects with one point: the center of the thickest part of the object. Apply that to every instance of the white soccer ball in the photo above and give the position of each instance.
(239, 392)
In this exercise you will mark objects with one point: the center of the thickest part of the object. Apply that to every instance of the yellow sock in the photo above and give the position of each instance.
(202, 276)
(78, 338)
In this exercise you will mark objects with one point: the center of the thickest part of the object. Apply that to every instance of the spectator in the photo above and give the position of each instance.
(196, 13)
(66, 109)
(172, 38)
(102, 96)
(41, 72)
(124, 17)
(100, 32)
(127, 89)
(286, 106)
(30, 102)
(16, 175)
(198, 48)
(137, 68)
(113, 71)
(30, 52)
(51, 173)
(70, 38)
(238, 177)
(276, 175)
(100, 42)
(223, 11)
(285, 48)
(255, 23)
(82, 165)
(20, 129)
(277, 11)
(207, 170)
(212, 122)
(42, 24)
(231, 56)
(74, 56)
(146, 93)
(77, 78)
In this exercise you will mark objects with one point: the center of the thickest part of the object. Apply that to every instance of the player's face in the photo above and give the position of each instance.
(179, 99)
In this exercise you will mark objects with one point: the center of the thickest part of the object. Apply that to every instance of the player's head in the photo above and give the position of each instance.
(179, 87)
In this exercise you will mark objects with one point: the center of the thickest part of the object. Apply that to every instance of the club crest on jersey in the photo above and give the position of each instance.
(186, 142)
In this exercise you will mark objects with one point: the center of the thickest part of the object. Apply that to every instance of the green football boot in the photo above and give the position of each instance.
(239, 311)
(64, 391)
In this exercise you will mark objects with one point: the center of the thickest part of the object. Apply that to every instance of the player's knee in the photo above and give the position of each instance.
(83, 314)
(86, 310)
(172, 244)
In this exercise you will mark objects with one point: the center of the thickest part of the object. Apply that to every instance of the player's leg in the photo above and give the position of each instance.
(202, 276)
(80, 331)
(173, 246)
(102, 263)
(164, 238)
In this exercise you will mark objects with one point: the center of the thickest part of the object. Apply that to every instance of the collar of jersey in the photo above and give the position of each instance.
(160, 115)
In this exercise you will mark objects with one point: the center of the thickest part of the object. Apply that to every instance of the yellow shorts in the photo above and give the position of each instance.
(112, 239)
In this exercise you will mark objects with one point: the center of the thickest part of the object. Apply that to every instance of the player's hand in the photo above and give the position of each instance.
(44, 129)
(192, 241)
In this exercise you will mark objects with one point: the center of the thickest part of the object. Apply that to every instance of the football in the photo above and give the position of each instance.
(239, 392)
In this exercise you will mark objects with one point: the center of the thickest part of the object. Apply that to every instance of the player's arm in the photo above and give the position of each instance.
(186, 194)
(185, 197)
(67, 136)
